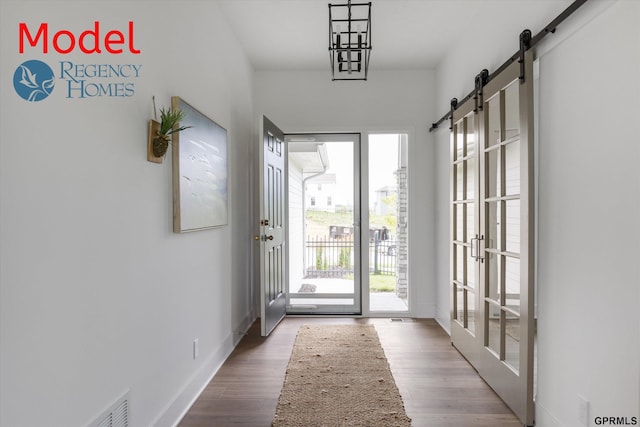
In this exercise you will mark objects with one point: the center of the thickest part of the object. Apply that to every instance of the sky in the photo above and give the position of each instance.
(383, 161)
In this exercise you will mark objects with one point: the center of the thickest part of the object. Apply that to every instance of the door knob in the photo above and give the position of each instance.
(256, 237)
(270, 237)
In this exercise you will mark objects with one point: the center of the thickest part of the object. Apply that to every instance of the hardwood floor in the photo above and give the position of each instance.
(438, 386)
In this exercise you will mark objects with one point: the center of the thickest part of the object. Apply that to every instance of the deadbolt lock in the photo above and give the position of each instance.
(263, 238)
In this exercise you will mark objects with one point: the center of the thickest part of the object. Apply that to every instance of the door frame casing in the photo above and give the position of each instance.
(409, 132)
(413, 161)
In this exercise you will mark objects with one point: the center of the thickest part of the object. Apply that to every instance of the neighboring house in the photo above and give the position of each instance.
(320, 193)
(386, 199)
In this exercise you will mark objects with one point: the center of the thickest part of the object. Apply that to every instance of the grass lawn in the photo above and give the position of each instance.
(318, 222)
(382, 283)
(379, 282)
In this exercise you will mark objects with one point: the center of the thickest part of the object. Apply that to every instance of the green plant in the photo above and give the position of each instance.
(391, 220)
(321, 261)
(344, 258)
(169, 119)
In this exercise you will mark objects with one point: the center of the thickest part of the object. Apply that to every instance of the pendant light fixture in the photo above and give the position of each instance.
(349, 40)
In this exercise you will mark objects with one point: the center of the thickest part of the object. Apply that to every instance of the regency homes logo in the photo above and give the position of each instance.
(35, 80)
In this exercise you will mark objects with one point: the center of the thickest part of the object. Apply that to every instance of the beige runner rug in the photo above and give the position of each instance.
(338, 375)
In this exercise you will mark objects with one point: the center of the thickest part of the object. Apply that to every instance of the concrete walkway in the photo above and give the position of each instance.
(378, 301)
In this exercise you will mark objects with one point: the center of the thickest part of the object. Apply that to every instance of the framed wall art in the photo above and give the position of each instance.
(199, 172)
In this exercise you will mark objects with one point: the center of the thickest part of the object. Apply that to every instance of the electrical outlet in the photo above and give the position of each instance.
(196, 349)
(583, 411)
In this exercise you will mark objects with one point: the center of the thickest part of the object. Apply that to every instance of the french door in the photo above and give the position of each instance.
(492, 220)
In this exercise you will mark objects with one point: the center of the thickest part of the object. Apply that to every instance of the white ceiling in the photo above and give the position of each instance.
(293, 34)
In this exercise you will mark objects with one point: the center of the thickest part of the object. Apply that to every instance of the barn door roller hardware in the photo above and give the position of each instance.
(454, 105)
(525, 45)
(481, 80)
(526, 42)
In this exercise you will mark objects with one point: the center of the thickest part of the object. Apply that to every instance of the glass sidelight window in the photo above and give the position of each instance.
(388, 223)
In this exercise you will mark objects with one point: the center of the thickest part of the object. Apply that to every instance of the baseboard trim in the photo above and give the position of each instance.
(178, 408)
(444, 321)
(194, 387)
(423, 311)
(544, 418)
(241, 330)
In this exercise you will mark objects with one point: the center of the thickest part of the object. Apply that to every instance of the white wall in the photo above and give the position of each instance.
(588, 341)
(400, 101)
(97, 295)
(589, 231)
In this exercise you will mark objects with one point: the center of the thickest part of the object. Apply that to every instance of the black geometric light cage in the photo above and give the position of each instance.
(349, 40)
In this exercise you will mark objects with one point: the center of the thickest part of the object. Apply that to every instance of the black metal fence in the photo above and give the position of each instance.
(327, 257)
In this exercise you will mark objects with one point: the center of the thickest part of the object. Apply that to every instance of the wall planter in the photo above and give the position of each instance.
(161, 133)
(154, 133)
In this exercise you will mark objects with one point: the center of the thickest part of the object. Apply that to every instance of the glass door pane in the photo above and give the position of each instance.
(502, 226)
(465, 186)
(323, 212)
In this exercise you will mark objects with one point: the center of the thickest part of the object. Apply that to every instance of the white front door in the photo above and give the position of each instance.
(272, 227)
